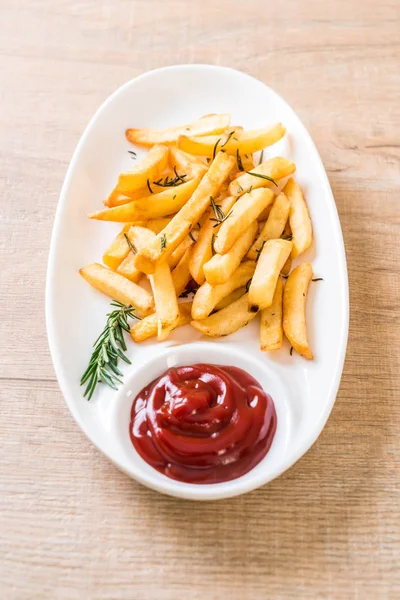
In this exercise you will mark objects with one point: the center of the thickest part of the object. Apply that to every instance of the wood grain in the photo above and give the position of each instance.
(71, 525)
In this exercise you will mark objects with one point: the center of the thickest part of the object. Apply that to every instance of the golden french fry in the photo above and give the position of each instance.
(208, 297)
(186, 163)
(117, 250)
(182, 223)
(275, 168)
(146, 170)
(161, 283)
(272, 258)
(226, 321)
(127, 267)
(202, 251)
(287, 266)
(117, 287)
(181, 274)
(271, 332)
(158, 205)
(155, 225)
(294, 308)
(165, 299)
(235, 142)
(274, 225)
(235, 295)
(174, 258)
(148, 327)
(221, 267)
(118, 199)
(299, 219)
(244, 212)
(207, 125)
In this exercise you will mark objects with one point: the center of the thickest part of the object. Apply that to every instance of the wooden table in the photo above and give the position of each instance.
(72, 526)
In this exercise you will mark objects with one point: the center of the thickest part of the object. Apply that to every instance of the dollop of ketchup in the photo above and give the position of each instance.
(203, 423)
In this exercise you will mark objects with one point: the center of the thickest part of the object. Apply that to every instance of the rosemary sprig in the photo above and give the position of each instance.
(212, 244)
(291, 350)
(228, 138)
(215, 147)
(128, 241)
(287, 237)
(132, 154)
(163, 241)
(317, 279)
(248, 285)
(263, 177)
(108, 348)
(261, 157)
(173, 182)
(149, 186)
(220, 216)
(239, 160)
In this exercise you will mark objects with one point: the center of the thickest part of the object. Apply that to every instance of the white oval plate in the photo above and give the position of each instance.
(303, 391)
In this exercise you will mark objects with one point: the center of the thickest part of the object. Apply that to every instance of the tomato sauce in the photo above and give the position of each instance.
(203, 423)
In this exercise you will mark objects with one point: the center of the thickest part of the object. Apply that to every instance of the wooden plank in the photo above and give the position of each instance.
(71, 525)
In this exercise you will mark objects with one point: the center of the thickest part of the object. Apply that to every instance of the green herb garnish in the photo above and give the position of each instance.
(317, 279)
(149, 186)
(173, 182)
(261, 157)
(163, 241)
(108, 349)
(212, 244)
(128, 241)
(220, 216)
(215, 147)
(262, 177)
(239, 161)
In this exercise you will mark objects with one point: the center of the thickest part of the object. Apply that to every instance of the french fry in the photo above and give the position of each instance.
(294, 308)
(299, 219)
(275, 168)
(117, 250)
(117, 287)
(264, 215)
(242, 142)
(235, 295)
(146, 170)
(271, 331)
(118, 199)
(226, 321)
(186, 163)
(244, 212)
(287, 266)
(181, 274)
(165, 299)
(155, 225)
(202, 251)
(207, 125)
(208, 297)
(287, 235)
(158, 205)
(161, 284)
(182, 223)
(127, 268)
(274, 225)
(174, 258)
(272, 258)
(147, 327)
(221, 267)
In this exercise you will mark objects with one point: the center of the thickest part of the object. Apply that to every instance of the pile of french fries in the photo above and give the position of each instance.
(198, 213)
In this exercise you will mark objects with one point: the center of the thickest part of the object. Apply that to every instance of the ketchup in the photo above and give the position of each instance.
(203, 423)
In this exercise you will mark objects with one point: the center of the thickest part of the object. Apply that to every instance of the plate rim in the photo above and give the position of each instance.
(217, 492)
